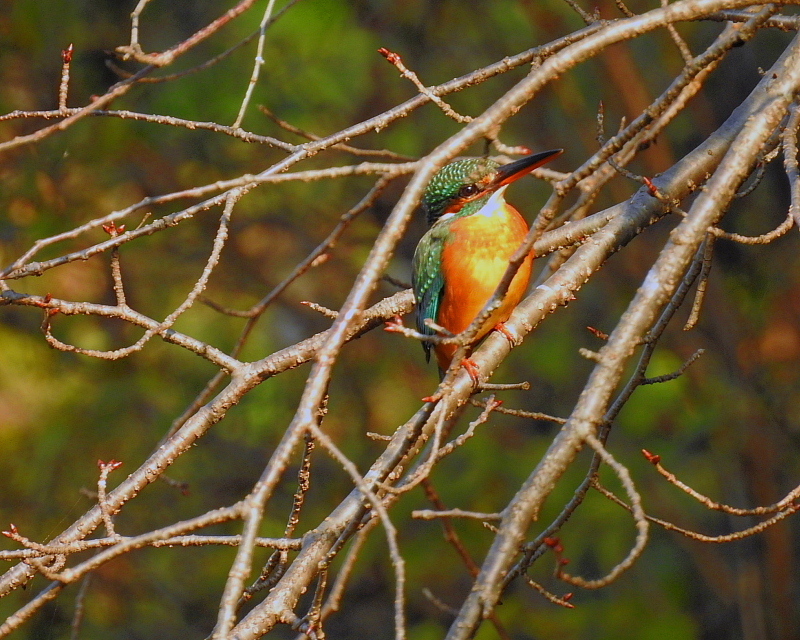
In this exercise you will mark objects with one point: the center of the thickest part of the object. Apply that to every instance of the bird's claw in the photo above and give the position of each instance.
(512, 339)
(473, 371)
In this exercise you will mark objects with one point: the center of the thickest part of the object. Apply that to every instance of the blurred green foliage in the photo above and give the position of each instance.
(729, 427)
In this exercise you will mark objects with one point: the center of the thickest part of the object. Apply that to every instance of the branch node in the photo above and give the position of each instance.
(652, 458)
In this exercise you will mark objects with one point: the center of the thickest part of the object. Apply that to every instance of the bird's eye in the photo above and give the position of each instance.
(468, 190)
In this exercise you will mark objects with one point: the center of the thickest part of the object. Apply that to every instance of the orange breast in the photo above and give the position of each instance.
(474, 259)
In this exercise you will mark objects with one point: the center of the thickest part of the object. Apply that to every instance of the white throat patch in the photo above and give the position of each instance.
(495, 205)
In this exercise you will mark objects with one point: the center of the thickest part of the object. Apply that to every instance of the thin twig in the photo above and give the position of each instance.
(105, 469)
(765, 238)
(585, 16)
(257, 63)
(790, 498)
(397, 61)
(24, 613)
(730, 537)
(167, 57)
(702, 283)
(451, 536)
(398, 563)
(63, 87)
(80, 608)
(642, 524)
(790, 161)
(686, 53)
(356, 151)
(675, 374)
(166, 324)
(562, 601)
(66, 307)
(428, 514)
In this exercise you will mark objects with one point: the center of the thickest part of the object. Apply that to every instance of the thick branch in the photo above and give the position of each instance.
(773, 95)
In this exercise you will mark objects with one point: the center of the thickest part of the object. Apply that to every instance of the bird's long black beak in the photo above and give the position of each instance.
(515, 170)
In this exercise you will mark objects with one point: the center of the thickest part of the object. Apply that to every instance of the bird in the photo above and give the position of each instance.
(460, 260)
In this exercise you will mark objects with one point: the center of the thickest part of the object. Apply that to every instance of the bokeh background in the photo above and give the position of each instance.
(730, 426)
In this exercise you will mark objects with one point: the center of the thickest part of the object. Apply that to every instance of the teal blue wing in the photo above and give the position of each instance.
(427, 279)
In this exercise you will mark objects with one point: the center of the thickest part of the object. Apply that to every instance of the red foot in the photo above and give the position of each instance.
(472, 369)
(501, 327)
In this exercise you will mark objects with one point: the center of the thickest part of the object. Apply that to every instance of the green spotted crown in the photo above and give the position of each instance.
(456, 181)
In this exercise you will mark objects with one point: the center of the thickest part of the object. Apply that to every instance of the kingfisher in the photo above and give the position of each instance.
(473, 233)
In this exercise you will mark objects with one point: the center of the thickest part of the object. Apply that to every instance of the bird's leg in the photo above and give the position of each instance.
(502, 328)
(472, 369)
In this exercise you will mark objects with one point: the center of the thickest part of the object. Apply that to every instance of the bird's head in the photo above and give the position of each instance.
(473, 179)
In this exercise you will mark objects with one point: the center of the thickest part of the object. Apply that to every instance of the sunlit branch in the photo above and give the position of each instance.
(258, 62)
(234, 189)
(700, 537)
(66, 307)
(642, 525)
(782, 504)
(166, 324)
(772, 95)
(790, 161)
